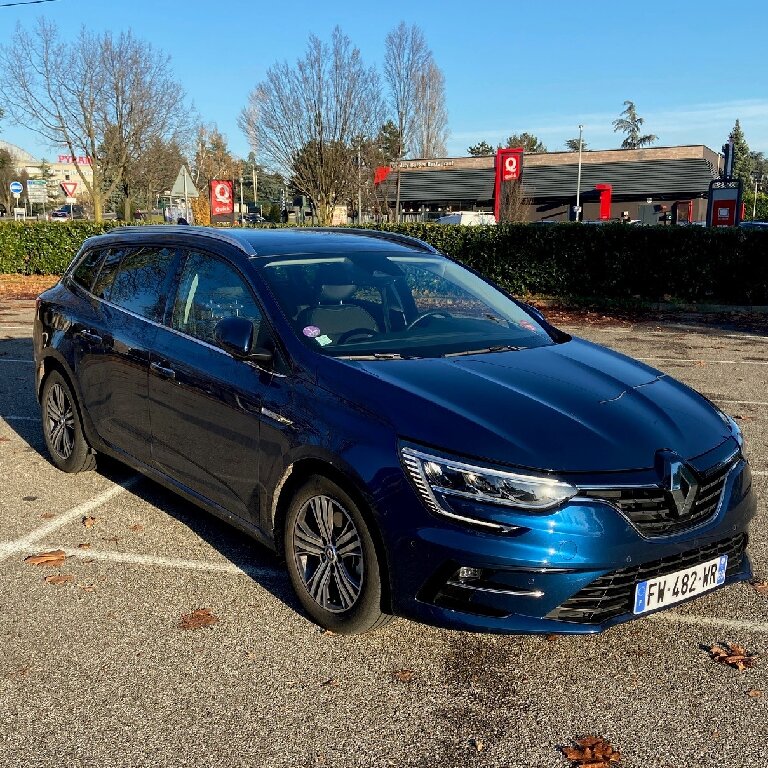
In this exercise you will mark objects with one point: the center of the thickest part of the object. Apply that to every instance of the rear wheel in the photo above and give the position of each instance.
(332, 560)
(62, 428)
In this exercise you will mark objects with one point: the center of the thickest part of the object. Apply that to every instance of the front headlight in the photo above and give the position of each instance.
(438, 479)
(734, 427)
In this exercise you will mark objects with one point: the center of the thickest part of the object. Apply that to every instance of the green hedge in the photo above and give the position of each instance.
(44, 247)
(609, 262)
(612, 261)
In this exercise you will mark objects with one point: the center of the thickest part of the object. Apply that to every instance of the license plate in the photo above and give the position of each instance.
(677, 586)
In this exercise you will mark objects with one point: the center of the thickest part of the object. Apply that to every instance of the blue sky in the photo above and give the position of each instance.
(509, 66)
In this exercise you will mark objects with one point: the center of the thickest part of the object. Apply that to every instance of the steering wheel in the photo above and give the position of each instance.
(367, 333)
(424, 315)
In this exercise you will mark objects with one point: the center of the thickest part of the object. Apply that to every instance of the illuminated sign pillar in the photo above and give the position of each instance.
(509, 170)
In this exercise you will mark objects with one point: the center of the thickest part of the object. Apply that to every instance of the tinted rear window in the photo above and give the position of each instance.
(140, 283)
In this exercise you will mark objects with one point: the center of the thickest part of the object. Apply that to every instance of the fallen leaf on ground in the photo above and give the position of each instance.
(84, 545)
(754, 693)
(591, 752)
(136, 527)
(47, 515)
(252, 655)
(60, 578)
(30, 498)
(734, 655)
(331, 681)
(202, 617)
(89, 522)
(761, 587)
(87, 587)
(478, 744)
(327, 632)
(110, 539)
(56, 557)
(403, 675)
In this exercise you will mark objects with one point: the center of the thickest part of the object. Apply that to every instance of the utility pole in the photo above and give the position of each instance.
(255, 179)
(242, 216)
(578, 178)
(758, 178)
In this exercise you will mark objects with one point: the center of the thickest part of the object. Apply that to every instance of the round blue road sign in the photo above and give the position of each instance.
(16, 188)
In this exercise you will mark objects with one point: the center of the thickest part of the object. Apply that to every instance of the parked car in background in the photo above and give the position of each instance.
(413, 440)
(468, 218)
(754, 225)
(68, 212)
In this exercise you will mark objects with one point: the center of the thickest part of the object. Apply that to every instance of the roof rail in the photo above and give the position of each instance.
(393, 237)
(213, 232)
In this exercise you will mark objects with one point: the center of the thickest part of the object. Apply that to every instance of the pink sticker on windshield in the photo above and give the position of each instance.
(312, 331)
(527, 325)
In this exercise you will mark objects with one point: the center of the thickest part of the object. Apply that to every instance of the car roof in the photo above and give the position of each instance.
(280, 242)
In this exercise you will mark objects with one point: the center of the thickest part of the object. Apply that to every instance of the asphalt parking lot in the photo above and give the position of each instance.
(98, 671)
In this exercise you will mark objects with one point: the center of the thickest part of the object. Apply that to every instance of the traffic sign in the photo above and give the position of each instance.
(69, 187)
(37, 190)
(16, 188)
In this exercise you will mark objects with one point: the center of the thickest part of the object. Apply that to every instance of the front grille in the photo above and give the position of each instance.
(613, 594)
(653, 511)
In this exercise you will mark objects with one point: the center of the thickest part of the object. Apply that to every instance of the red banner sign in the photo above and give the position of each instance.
(222, 199)
(509, 167)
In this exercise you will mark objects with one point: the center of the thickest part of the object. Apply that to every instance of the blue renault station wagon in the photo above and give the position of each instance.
(411, 439)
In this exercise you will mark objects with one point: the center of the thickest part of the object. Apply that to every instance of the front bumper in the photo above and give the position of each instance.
(531, 580)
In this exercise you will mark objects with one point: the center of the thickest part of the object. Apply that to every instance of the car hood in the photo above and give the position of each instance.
(574, 406)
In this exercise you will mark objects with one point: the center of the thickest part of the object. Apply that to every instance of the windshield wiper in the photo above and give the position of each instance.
(378, 356)
(484, 350)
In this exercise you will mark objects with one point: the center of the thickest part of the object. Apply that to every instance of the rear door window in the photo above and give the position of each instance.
(140, 284)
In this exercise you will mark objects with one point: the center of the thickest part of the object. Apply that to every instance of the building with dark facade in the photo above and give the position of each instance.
(654, 184)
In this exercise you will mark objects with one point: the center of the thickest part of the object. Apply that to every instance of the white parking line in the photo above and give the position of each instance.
(14, 360)
(712, 621)
(739, 402)
(26, 543)
(704, 360)
(170, 562)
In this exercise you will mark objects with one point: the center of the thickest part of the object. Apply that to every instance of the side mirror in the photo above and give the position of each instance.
(235, 335)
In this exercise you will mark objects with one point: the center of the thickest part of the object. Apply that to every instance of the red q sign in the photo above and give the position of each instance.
(511, 168)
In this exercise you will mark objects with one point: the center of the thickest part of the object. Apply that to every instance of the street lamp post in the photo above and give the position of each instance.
(578, 177)
(758, 177)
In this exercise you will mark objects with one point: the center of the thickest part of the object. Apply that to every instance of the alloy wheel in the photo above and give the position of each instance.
(60, 421)
(328, 554)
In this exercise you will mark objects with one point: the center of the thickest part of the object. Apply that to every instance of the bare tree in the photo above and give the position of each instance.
(406, 57)
(305, 119)
(431, 129)
(99, 96)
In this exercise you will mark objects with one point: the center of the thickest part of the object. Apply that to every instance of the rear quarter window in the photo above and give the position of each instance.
(140, 284)
(86, 271)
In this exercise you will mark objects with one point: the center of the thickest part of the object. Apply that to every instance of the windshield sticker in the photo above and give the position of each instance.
(323, 340)
(312, 331)
(528, 325)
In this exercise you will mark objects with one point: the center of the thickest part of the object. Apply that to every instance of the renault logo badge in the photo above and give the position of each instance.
(683, 486)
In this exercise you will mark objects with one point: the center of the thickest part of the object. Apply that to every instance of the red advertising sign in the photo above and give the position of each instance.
(222, 199)
(509, 167)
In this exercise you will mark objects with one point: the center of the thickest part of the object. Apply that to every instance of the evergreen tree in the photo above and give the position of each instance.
(742, 160)
(480, 149)
(572, 145)
(630, 124)
(527, 141)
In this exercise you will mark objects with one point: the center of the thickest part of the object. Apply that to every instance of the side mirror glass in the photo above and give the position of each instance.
(235, 335)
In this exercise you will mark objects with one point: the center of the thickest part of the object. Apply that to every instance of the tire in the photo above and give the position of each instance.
(337, 575)
(62, 428)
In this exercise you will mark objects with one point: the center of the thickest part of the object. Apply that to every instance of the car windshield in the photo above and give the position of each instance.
(393, 305)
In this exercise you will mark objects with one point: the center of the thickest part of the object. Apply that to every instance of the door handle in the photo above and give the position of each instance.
(166, 373)
(90, 337)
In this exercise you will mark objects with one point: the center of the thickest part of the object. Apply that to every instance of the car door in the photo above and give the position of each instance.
(112, 347)
(205, 404)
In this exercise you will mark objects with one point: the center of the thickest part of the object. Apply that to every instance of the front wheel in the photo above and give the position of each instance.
(62, 428)
(332, 560)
